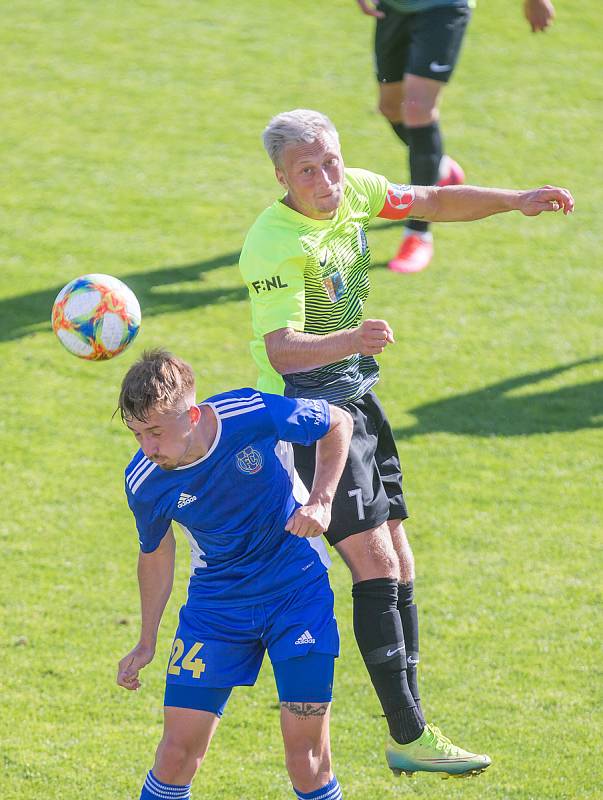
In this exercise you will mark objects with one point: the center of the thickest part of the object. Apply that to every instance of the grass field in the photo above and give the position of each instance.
(131, 146)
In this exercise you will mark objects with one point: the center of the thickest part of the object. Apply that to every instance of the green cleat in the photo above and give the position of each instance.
(433, 752)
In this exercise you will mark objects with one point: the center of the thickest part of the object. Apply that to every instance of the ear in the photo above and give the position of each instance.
(194, 414)
(281, 177)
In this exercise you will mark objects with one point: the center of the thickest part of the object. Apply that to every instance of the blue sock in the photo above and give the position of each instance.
(331, 791)
(154, 789)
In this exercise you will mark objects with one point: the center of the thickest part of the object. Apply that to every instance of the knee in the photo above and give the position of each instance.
(175, 758)
(309, 766)
(381, 560)
(384, 564)
(391, 110)
(418, 112)
(388, 564)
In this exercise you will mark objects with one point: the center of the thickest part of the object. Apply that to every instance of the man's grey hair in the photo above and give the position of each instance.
(295, 127)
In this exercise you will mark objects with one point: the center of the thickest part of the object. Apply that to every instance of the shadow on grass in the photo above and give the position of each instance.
(30, 313)
(495, 411)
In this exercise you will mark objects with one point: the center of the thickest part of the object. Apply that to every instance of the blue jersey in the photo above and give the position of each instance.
(233, 503)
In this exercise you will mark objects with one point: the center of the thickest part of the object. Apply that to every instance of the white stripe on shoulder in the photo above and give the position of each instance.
(239, 411)
(143, 476)
(144, 461)
(237, 401)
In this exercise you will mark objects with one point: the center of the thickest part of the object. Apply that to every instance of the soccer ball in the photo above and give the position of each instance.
(96, 317)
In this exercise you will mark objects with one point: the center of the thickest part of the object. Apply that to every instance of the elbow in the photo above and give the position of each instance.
(276, 350)
(277, 362)
(343, 419)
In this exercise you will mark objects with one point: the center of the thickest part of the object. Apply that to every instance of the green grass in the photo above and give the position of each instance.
(131, 146)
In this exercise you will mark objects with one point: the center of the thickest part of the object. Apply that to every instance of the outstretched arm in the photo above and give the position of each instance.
(313, 518)
(155, 579)
(466, 203)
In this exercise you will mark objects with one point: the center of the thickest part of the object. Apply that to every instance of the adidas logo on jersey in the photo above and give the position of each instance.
(185, 499)
(306, 638)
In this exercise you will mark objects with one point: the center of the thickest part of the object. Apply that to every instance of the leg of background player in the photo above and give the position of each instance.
(421, 119)
(411, 108)
(391, 96)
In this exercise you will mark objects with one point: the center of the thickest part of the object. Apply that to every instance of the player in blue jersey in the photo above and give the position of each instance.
(257, 583)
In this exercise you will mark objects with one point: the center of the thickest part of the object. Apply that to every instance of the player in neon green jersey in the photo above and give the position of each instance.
(305, 262)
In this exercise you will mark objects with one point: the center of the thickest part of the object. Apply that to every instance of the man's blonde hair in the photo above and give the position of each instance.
(302, 125)
(158, 381)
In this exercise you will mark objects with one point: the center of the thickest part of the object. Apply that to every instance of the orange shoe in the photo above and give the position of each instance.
(450, 172)
(413, 255)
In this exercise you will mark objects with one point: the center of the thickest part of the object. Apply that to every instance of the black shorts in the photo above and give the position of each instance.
(427, 43)
(370, 489)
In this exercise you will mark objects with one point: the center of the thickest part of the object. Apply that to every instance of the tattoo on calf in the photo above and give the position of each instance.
(306, 710)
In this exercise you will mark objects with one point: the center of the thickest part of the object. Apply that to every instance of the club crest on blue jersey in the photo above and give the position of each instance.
(249, 460)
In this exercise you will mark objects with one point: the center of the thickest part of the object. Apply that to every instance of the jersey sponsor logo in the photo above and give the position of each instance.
(306, 638)
(186, 499)
(267, 285)
(334, 286)
(400, 196)
(323, 257)
(249, 460)
(436, 67)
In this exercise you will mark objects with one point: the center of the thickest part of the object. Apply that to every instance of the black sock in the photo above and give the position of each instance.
(378, 630)
(425, 154)
(410, 626)
(401, 131)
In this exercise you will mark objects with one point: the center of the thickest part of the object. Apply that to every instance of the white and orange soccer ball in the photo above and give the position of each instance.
(96, 317)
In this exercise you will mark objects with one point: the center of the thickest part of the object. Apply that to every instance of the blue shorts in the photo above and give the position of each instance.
(220, 648)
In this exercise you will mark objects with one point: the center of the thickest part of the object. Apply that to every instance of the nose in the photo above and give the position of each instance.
(149, 448)
(325, 180)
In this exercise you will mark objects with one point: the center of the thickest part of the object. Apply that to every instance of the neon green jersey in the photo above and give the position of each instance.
(312, 276)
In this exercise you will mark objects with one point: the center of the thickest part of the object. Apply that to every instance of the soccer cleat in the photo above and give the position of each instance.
(434, 752)
(413, 255)
(450, 172)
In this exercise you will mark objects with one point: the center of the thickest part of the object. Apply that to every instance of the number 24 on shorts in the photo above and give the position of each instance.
(195, 665)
